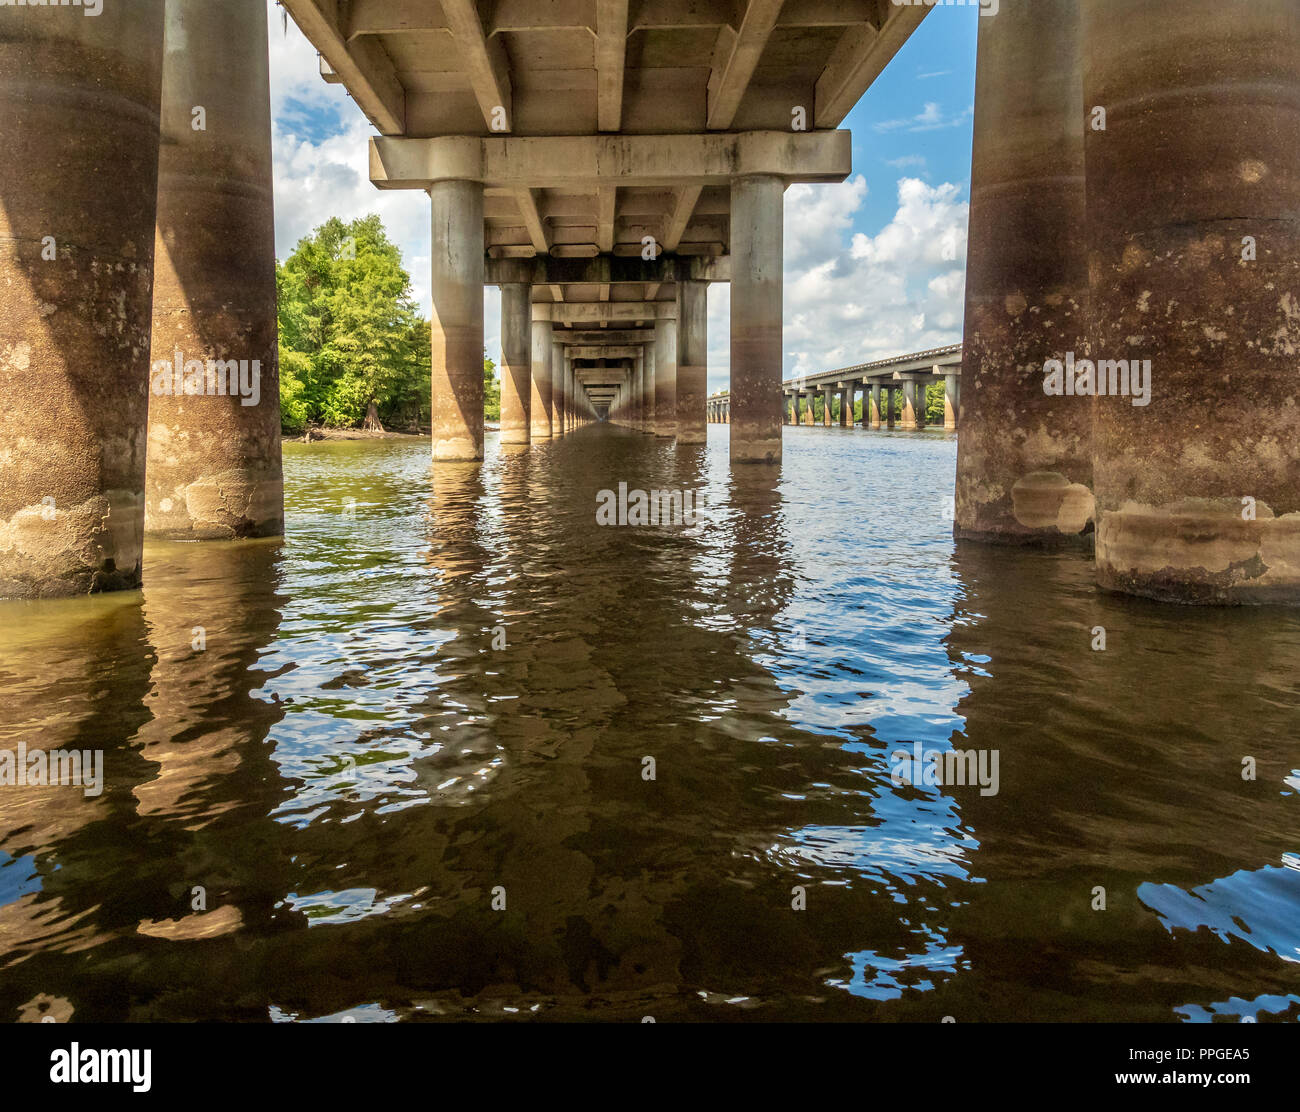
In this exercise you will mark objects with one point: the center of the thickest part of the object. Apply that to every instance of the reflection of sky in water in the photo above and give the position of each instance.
(885, 977)
(328, 908)
(1237, 1008)
(18, 878)
(1260, 907)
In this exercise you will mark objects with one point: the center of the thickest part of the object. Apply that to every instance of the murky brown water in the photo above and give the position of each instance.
(438, 689)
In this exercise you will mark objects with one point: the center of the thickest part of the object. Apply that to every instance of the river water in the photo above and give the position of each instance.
(396, 767)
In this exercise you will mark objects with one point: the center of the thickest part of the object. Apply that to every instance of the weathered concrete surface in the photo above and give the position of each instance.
(540, 412)
(214, 469)
(1026, 278)
(457, 332)
(757, 242)
(79, 112)
(516, 354)
(661, 385)
(1199, 167)
(692, 386)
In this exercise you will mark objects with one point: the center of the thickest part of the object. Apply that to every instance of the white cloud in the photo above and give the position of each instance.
(851, 298)
(930, 118)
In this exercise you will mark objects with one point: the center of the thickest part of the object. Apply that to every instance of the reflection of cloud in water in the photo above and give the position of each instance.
(916, 853)
(1269, 1004)
(880, 977)
(331, 908)
(1259, 906)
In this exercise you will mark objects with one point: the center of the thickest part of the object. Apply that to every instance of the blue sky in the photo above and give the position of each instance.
(874, 266)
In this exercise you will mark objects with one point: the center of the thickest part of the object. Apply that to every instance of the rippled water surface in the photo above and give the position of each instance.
(440, 693)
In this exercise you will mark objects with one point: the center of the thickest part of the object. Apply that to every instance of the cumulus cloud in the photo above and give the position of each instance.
(852, 297)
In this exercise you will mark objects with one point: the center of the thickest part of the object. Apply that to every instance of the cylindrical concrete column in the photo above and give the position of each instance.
(874, 418)
(757, 237)
(79, 126)
(516, 355)
(951, 401)
(828, 410)
(891, 409)
(213, 469)
(913, 404)
(692, 361)
(1024, 459)
(1194, 254)
(457, 326)
(846, 407)
(810, 410)
(665, 378)
(558, 365)
(540, 407)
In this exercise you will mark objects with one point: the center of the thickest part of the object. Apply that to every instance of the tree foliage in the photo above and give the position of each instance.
(350, 334)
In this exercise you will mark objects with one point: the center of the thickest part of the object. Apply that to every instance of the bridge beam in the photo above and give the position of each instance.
(591, 161)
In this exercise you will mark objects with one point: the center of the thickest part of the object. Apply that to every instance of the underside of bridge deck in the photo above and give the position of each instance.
(622, 153)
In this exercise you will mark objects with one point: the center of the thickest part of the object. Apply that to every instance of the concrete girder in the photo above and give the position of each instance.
(362, 66)
(571, 161)
(601, 270)
(608, 311)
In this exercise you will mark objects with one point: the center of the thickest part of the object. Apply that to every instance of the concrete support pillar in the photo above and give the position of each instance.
(913, 405)
(951, 401)
(1024, 460)
(457, 326)
(789, 412)
(810, 410)
(890, 408)
(846, 408)
(692, 361)
(874, 418)
(213, 469)
(79, 126)
(559, 372)
(828, 414)
(516, 357)
(665, 378)
(1194, 253)
(540, 407)
(757, 237)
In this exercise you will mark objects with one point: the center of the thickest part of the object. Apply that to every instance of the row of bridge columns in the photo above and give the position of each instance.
(878, 404)
(1135, 196)
(720, 411)
(138, 374)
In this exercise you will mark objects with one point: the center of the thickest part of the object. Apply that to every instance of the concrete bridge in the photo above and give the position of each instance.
(602, 161)
(908, 374)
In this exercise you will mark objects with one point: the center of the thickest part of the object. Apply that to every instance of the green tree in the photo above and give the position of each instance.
(351, 341)
(491, 390)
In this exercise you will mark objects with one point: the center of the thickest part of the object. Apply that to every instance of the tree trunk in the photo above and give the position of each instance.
(372, 423)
